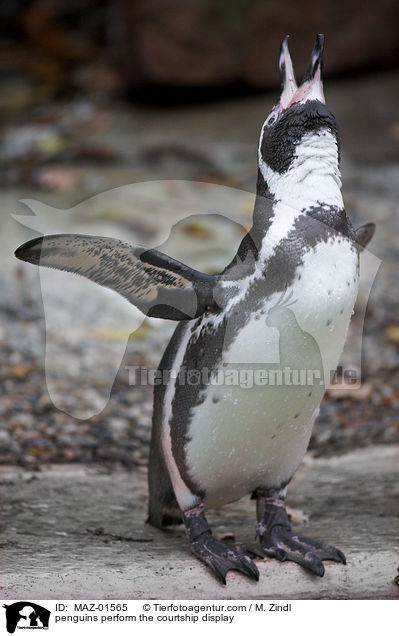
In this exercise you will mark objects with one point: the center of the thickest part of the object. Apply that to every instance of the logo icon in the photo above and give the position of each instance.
(26, 615)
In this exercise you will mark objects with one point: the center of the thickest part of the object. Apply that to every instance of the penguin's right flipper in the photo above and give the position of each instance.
(364, 234)
(158, 285)
(219, 556)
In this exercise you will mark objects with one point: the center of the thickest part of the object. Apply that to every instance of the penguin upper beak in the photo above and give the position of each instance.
(311, 86)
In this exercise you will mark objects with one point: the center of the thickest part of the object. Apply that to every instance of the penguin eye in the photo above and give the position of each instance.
(271, 120)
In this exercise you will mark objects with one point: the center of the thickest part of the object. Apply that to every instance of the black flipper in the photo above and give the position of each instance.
(158, 285)
(278, 541)
(364, 234)
(219, 556)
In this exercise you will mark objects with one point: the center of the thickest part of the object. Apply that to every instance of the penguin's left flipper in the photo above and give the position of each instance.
(364, 234)
(158, 285)
(219, 556)
(278, 541)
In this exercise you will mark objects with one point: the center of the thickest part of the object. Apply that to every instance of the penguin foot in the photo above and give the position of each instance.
(279, 542)
(219, 556)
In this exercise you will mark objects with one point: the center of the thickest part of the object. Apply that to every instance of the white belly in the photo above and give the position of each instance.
(241, 437)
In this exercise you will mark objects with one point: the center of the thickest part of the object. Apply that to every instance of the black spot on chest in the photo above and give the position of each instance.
(321, 222)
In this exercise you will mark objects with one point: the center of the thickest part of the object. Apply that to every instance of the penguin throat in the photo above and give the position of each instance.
(313, 175)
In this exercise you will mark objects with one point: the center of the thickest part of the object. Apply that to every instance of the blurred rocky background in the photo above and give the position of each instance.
(196, 48)
(101, 95)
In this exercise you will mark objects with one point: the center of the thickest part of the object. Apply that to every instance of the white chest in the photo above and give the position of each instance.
(253, 428)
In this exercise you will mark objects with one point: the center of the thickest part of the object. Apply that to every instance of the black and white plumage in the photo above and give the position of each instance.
(295, 274)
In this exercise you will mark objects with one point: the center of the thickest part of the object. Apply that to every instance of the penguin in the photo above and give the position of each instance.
(294, 277)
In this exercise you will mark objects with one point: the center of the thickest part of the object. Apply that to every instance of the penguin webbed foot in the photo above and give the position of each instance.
(278, 541)
(219, 556)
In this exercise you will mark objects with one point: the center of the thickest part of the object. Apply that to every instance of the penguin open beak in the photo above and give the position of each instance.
(311, 86)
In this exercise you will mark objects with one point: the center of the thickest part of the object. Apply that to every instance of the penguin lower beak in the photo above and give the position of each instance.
(311, 86)
(287, 76)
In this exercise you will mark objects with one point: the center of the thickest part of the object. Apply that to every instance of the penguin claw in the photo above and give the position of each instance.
(324, 551)
(297, 549)
(221, 557)
(279, 542)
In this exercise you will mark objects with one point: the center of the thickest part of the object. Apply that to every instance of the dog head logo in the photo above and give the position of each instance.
(26, 615)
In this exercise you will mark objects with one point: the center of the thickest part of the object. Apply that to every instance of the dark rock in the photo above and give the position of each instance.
(201, 43)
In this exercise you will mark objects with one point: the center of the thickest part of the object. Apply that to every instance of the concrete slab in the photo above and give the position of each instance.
(49, 553)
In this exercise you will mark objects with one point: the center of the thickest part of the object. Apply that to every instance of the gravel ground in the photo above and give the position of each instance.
(62, 154)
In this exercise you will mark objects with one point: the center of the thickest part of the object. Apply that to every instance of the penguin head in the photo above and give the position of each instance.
(299, 117)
